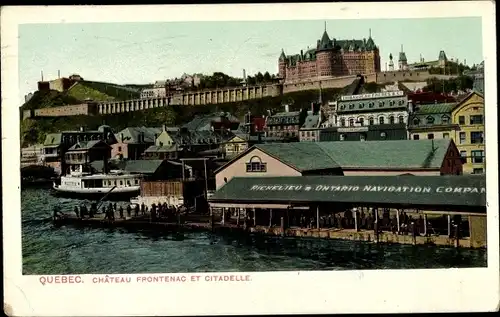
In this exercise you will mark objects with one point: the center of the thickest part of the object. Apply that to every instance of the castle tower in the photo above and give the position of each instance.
(442, 59)
(403, 62)
(324, 55)
(391, 63)
(282, 65)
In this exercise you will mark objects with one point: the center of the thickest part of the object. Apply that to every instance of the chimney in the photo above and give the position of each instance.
(312, 107)
(41, 74)
(244, 75)
(287, 108)
(58, 73)
(164, 128)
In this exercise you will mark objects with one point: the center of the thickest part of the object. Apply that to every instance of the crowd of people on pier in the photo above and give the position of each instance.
(372, 219)
(112, 211)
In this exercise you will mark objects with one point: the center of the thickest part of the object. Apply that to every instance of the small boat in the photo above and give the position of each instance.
(116, 185)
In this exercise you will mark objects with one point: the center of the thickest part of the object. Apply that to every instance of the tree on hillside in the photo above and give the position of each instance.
(267, 77)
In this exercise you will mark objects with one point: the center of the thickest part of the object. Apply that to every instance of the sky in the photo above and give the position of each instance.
(140, 53)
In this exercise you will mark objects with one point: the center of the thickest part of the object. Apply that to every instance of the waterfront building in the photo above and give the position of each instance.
(372, 109)
(331, 58)
(432, 121)
(32, 155)
(377, 158)
(468, 115)
(83, 153)
(56, 144)
(235, 145)
(133, 141)
(379, 132)
(310, 129)
(284, 125)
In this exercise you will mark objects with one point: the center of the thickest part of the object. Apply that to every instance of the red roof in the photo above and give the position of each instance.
(429, 97)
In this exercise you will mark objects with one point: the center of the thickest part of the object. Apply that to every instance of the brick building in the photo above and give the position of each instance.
(331, 58)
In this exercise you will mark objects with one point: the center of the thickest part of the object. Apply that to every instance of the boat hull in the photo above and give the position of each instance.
(122, 194)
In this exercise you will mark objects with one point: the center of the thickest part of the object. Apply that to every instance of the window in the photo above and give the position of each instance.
(312, 133)
(477, 156)
(137, 182)
(430, 136)
(342, 122)
(351, 122)
(476, 137)
(380, 104)
(477, 171)
(476, 119)
(119, 149)
(462, 138)
(430, 120)
(361, 121)
(391, 120)
(371, 121)
(121, 183)
(461, 120)
(361, 106)
(446, 135)
(401, 119)
(381, 120)
(416, 137)
(371, 105)
(351, 106)
(416, 121)
(445, 119)
(256, 165)
(463, 156)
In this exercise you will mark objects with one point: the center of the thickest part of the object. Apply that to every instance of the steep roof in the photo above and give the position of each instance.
(397, 154)
(52, 139)
(85, 145)
(312, 121)
(202, 122)
(131, 134)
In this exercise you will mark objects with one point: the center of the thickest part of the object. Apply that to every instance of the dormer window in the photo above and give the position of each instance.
(416, 121)
(381, 104)
(351, 106)
(361, 105)
(430, 120)
(445, 119)
(371, 105)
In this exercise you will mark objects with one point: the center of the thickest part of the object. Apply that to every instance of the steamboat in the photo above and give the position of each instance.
(116, 184)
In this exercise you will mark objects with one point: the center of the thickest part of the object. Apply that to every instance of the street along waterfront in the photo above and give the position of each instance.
(73, 250)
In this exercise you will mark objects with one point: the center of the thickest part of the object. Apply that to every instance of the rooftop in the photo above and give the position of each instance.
(363, 190)
(308, 156)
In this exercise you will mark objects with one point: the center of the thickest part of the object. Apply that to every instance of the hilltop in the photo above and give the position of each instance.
(80, 92)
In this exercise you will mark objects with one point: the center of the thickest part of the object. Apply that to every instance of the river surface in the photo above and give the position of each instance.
(69, 250)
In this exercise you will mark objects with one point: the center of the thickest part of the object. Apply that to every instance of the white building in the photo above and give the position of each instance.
(389, 107)
(156, 92)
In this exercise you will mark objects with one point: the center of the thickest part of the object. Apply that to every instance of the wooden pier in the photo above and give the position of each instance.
(202, 223)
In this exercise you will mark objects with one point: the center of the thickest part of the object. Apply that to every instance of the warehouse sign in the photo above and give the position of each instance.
(369, 188)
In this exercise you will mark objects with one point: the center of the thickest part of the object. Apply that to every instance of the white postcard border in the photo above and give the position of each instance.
(267, 293)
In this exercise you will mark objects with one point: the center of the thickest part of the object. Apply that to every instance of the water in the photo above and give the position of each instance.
(69, 250)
